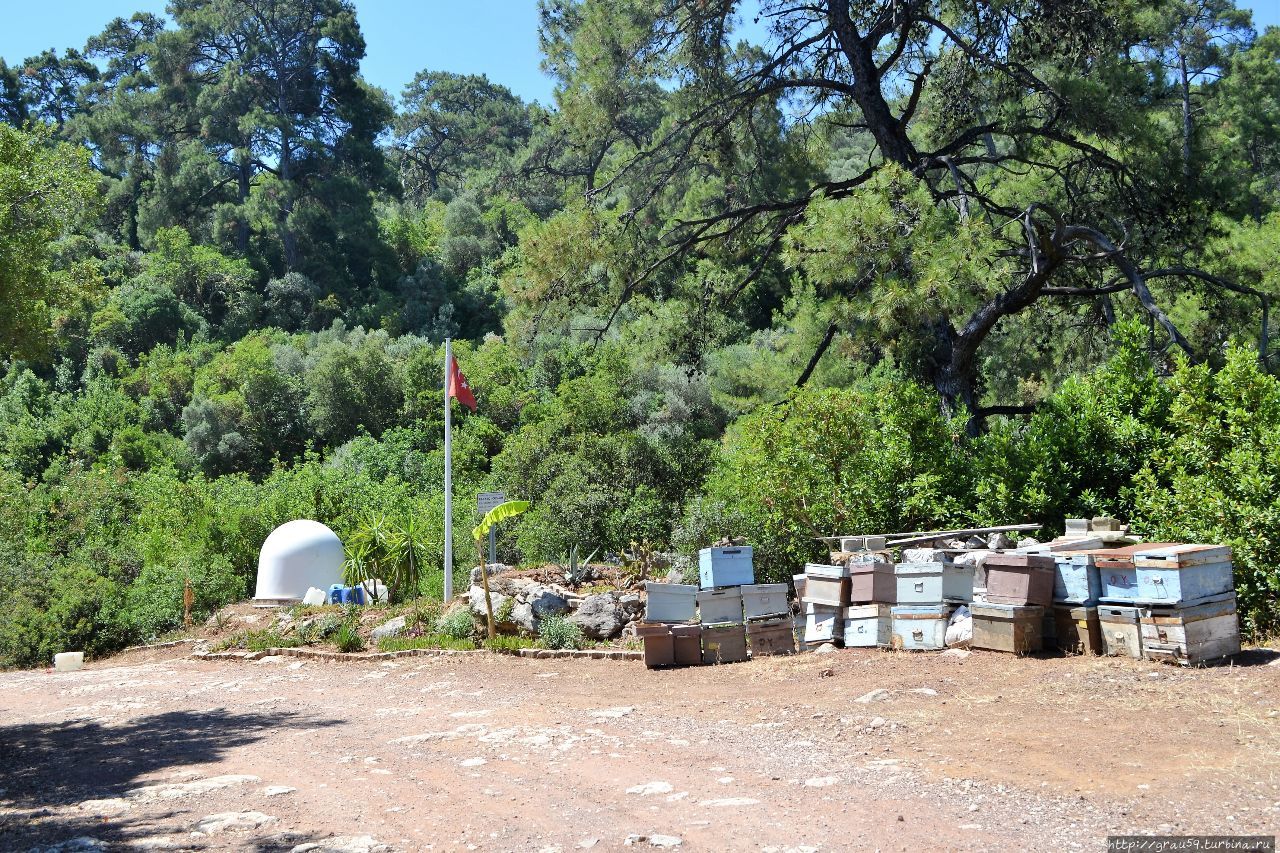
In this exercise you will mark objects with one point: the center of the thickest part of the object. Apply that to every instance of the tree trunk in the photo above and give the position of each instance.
(1187, 127)
(245, 183)
(888, 131)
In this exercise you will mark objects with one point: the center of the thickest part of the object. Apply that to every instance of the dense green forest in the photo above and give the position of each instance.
(775, 270)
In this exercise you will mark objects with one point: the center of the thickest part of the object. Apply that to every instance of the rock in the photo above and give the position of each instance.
(974, 543)
(600, 616)
(876, 723)
(959, 654)
(1028, 542)
(675, 576)
(665, 841)
(475, 598)
(536, 603)
(490, 569)
(924, 555)
(925, 691)
(650, 788)
(825, 648)
(999, 542)
(232, 820)
(631, 604)
(344, 844)
(874, 696)
(277, 790)
(390, 628)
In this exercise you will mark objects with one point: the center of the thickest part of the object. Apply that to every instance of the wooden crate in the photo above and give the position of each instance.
(1191, 634)
(686, 641)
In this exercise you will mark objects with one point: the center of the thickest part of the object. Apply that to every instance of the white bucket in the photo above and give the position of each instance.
(68, 661)
(315, 596)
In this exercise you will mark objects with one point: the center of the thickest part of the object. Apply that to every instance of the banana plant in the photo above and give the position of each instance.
(499, 513)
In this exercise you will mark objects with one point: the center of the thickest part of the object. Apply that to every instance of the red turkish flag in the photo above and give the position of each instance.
(459, 387)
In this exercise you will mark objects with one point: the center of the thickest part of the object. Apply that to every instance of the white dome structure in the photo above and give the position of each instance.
(296, 556)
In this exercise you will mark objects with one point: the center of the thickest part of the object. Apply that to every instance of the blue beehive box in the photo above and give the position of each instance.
(1182, 573)
(1076, 579)
(725, 566)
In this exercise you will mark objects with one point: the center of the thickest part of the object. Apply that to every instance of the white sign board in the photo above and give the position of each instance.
(486, 501)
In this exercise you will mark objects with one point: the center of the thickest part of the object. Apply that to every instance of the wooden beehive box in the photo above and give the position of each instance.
(1014, 628)
(686, 642)
(1117, 575)
(933, 583)
(920, 627)
(761, 600)
(1182, 573)
(719, 567)
(1076, 629)
(1121, 636)
(823, 623)
(771, 637)
(717, 606)
(827, 585)
(868, 625)
(724, 643)
(1191, 634)
(1020, 579)
(872, 582)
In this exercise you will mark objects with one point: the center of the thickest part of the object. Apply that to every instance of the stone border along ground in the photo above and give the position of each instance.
(315, 654)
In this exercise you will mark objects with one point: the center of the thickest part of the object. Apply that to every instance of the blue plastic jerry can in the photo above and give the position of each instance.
(357, 594)
(335, 593)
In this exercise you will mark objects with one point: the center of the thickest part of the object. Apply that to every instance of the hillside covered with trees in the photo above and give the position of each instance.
(776, 270)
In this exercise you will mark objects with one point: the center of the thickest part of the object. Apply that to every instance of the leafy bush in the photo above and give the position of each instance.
(458, 624)
(1218, 479)
(556, 632)
(878, 458)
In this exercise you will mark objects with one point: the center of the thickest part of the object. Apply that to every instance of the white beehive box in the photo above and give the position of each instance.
(670, 602)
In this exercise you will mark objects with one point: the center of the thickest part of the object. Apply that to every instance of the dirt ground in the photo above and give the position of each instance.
(851, 750)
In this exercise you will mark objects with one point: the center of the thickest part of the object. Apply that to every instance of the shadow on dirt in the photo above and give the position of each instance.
(46, 770)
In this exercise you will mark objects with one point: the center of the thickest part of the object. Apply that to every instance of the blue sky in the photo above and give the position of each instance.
(495, 37)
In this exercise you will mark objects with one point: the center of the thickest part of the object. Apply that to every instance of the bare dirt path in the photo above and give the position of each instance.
(842, 751)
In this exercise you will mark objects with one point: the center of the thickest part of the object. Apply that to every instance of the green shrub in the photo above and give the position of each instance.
(348, 639)
(457, 624)
(427, 641)
(509, 644)
(257, 641)
(556, 632)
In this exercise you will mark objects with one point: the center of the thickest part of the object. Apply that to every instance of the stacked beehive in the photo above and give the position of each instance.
(724, 619)
(1168, 602)
(929, 587)
(849, 601)
(1010, 615)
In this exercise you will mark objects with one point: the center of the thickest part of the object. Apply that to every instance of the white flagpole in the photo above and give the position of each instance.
(448, 477)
